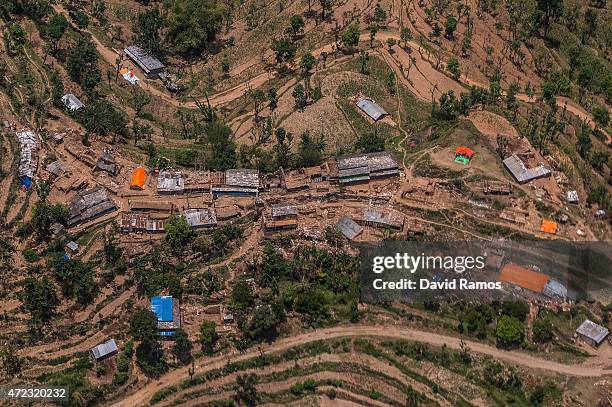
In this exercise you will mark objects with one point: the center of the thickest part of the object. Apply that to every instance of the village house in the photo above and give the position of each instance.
(168, 313)
(282, 216)
(149, 65)
(363, 167)
(107, 163)
(592, 333)
(169, 182)
(521, 173)
(237, 182)
(89, 205)
(200, 218)
(140, 222)
(349, 228)
(104, 350)
(28, 157)
(384, 219)
(373, 110)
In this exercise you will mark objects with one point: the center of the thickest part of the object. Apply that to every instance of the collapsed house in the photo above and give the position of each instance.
(28, 157)
(237, 182)
(72, 102)
(373, 110)
(151, 206)
(168, 313)
(104, 350)
(521, 173)
(149, 65)
(363, 167)
(56, 168)
(89, 205)
(200, 218)
(169, 182)
(384, 219)
(140, 222)
(349, 228)
(107, 163)
(282, 216)
(302, 178)
(490, 187)
(592, 333)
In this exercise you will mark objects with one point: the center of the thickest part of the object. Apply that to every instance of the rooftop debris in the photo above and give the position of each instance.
(363, 167)
(140, 222)
(523, 277)
(523, 174)
(592, 333)
(57, 168)
(496, 187)
(168, 314)
(371, 108)
(72, 102)
(282, 216)
(572, 197)
(89, 205)
(204, 217)
(554, 289)
(375, 217)
(28, 157)
(150, 65)
(151, 206)
(284, 210)
(139, 177)
(107, 163)
(169, 182)
(549, 226)
(104, 350)
(56, 229)
(349, 228)
(236, 182)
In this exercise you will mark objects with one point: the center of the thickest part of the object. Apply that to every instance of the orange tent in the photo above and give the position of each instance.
(138, 178)
(466, 151)
(548, 226)
(525, 278)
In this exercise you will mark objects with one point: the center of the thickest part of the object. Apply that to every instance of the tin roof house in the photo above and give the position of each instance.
(238, 182)
(28, 157)
(592, 333)
(200, 218)
(373, 110)
(282, 216)
(167, 311)
(363, 167)
(169, 182)
(150, 65)
(104, 350)
(349, 228)
(72, 102)
(521, 173)
(88, 205)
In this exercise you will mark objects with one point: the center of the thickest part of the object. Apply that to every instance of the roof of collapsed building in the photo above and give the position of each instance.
(132, 222)
(349, 227)
(283, 209)
(107, 163)
(523, 174)
(168, 181)
(389, 218)
(57, 168)
(88, 205)
(72, 102)
(28, 158)
(242, 178)
(200, 217)
(363, 166)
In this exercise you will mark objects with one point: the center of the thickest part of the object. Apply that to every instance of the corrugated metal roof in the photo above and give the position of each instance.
(74, 246)
(162, 307)
(168, 181)
(371, 108)
(383, 218)
(104, 349)
(525, 278)
(72, 102)
(200, 217)
(242, 178)
(349, 227)
(147, 62)
(572, 196)
(283, 210)
(28, 156)
(554, 288)
(56, 168)
(591, 330)
(521, 173)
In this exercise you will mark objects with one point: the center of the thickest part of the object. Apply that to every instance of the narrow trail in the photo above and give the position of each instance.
(593, 369)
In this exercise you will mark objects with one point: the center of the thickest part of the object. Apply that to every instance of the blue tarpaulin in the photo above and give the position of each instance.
(162, 308)
(26, 182)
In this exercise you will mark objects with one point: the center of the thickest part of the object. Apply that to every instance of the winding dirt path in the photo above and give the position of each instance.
(593, 369)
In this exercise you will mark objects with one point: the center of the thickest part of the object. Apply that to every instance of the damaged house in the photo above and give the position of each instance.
(363, 167)
(88, 205)
(107, 163)
(521, 173)
(28, 157)
(200, 218)
(237, 182)
(169, 182)
(282, 216)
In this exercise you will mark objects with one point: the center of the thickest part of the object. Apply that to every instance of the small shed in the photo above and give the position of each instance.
(592, 333)
(464, 155)
(72, 102)
(228, 318)
(572, 197)
(73, 247)
(139, 177)
(371, 108)
(104, 350)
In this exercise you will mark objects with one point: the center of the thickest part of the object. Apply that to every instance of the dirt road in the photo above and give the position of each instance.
(142, 396)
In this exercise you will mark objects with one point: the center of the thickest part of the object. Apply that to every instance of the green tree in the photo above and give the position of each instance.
(601, 115)
(450, 25)
(265, 321)
(373, 31)
(182, 346)
(350, 37)
(307, 63)
(296, 25)
(370, 142)
(11, 362)
(326, 5)
(542, 330)
(380, 14)
(178, 233)
(453, 68)
(390, 43)
(246, 392)
(225, 66)
(82, 64)
(208, 336)
(242, 295)
(405, 35)
(299, 95)
(391, 82)
(80, 18)
(193, 24)
(102, 118)
(55, 29)
(284, 50)
(143, 325)
(548, 11)
(310, 150)
(219, 138)
(148, 31)
(589, 27)
(510, 331)
(272, 99)
(39, 298)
